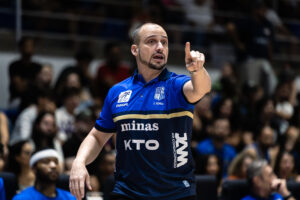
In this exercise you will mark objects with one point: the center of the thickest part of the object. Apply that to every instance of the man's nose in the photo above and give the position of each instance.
(53, 164)
(159, 46)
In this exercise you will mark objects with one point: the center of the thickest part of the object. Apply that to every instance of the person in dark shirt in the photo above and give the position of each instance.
(22, 71)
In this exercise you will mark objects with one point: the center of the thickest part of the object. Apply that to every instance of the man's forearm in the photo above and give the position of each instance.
(200, 85)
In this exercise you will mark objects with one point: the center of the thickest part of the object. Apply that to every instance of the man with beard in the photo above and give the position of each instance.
(45, 166)
(152, 115)
(264, 183)
(217, 145)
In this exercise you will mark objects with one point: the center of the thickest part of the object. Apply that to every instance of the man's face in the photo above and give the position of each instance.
(221, 129)
(264, 181)
(47, 125)
(267, 137)
(152, 50)
(47, 169)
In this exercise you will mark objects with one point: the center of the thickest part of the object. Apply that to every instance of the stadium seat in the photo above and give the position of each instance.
(237, 189)
(234, 189)
(10, 184)
(63, 182)
(206, 186)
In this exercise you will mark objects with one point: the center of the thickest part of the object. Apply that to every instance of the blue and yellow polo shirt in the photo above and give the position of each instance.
(153, 122)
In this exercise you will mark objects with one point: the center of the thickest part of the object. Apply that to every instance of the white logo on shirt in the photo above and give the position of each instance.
(159, 93)
(179, 149)
(124, 96)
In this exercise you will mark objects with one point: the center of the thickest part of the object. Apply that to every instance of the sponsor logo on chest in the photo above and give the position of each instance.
(124, 98)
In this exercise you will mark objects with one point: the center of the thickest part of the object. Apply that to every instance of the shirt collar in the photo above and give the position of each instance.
(163, 76)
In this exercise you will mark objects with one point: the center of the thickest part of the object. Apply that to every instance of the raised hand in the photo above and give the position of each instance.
(194, 60)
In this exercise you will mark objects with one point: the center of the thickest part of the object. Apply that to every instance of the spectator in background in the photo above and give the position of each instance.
(113, 70)
(44, 163)
(239, 165)
(216, 143)
(210, 165)
(23, 71)
(253, 40)
(84, 121)
(203, 116)
(83, 60)
(44, 77)
(264, 184)
(44, 133)
(105, 173)
(263, 144)
(42, 101)
(285, 166)
(67, 81)
(4, 133)
(18, 163)
(65, 115)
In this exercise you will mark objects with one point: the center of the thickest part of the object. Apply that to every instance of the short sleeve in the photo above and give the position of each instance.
(178, 84)
(105, 122)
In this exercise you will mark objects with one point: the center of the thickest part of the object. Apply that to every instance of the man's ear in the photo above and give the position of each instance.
(134, 49)
(256, 180)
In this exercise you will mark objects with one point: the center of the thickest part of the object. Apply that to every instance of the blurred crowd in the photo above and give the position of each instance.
(253, 111)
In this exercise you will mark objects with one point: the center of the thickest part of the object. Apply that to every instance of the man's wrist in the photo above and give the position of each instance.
(195, 71)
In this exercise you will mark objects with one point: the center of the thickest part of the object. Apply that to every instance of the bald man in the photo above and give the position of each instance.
(151, 114)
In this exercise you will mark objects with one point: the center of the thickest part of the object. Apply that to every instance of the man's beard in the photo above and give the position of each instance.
(150, 65)
(45, 178)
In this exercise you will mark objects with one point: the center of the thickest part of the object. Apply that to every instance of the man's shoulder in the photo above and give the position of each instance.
(64, 194)
(205, 146)
(229, 148)
(26, 194)
(122, 86)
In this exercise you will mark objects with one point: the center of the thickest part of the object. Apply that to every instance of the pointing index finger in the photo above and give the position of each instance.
(187, 51)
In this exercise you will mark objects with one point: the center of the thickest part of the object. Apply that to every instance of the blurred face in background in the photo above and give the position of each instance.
(71, 103)
(266, 139)
(226, 108)
(73, 81)
(269, 109)
(25, 154)
(212, 167)
(45, 76)
(47, 125)
(286, 165)
(27, 49)
(221, 129)
(292, 135)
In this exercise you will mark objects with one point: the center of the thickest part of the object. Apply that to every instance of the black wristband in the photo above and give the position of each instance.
(288, 196)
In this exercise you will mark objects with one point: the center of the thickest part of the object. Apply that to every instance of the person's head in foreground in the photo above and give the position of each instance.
(264, 183)
(45, 164)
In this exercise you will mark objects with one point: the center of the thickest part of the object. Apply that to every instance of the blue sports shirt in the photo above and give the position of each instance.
(153, 122)
(31, 193)
(274, 196)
